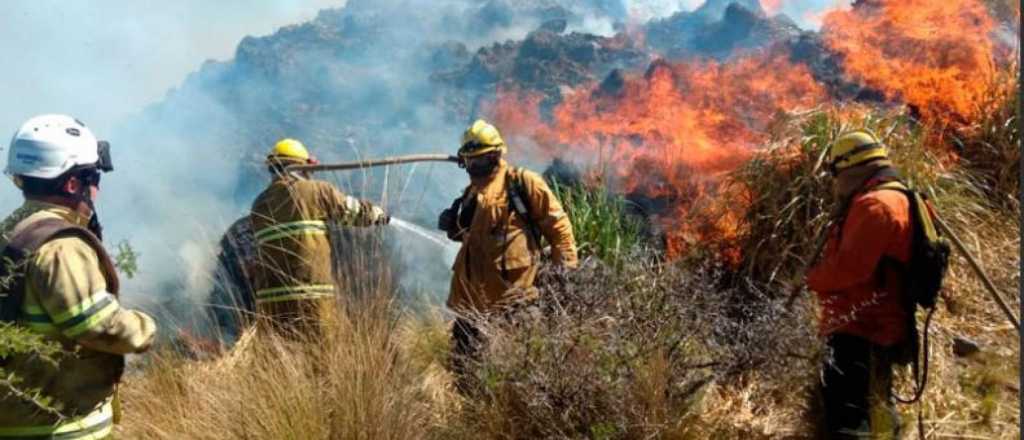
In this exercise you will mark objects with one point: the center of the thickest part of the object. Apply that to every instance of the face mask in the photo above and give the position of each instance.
(90, 178)
(482, 167)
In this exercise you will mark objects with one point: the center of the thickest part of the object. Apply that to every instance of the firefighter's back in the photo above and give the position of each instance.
(293, 278)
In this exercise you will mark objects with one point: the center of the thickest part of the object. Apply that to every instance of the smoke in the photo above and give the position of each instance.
(354, 81)
(103, 62)
(806, 13)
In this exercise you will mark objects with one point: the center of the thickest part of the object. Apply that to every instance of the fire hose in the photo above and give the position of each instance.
(985, 280)
(355, 165)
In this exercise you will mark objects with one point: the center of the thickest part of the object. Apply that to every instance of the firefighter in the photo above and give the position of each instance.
(293, 282)
(860, 284)
(500, 219)
(59, 282)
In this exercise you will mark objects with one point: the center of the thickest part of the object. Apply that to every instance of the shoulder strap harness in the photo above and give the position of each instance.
(518, 204)
(24, 243)
(889, 179)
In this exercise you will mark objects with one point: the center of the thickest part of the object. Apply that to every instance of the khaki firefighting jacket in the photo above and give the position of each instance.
(293, 278)
(67, 300)
(499, 259)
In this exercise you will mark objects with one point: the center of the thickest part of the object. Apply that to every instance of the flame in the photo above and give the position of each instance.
(670, 134)
(936, 56)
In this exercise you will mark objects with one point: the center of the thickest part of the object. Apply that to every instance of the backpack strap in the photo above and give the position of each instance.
(24, 243)
(519, 205)
(923, 229)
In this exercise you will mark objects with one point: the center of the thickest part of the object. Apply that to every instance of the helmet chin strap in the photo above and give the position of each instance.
(82, 195)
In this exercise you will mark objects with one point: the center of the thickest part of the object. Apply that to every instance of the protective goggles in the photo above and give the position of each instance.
(91, 177)
(833, 167)
(105, 163)
(474, 148)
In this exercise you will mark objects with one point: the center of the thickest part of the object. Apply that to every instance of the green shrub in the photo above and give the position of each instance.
(601, 222)
(19, 341)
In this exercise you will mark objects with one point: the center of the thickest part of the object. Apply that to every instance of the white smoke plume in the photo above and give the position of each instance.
(353, 82)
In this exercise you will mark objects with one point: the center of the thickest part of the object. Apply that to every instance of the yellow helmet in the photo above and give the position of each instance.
(288, 151)
(854, 148)
(481, 138)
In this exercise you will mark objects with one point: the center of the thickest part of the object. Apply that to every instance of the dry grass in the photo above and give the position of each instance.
(353, 383)
(648, 360)
(640, 349)
(975, 192)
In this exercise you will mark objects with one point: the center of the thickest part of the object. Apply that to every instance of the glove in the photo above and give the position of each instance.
(448, 221)
(379, 216)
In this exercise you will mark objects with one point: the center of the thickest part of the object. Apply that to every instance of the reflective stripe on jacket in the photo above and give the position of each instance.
(67, 299)
(498, 261)
(96, 425)
(291, 229)
(859, 294)
(290, 220)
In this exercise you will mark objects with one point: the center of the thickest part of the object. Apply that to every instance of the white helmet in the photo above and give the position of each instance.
(47, 146)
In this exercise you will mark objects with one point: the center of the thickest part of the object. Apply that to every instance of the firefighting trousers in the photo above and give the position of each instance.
(857, 390)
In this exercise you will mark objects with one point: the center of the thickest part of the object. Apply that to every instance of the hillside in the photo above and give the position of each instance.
(688, 152)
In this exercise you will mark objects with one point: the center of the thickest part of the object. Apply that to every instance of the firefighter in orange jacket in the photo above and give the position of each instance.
(500, 219)
(859, 283)
(293, 278)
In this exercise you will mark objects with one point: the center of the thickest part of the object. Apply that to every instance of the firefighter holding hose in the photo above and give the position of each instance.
(293, 281)
(500, 218)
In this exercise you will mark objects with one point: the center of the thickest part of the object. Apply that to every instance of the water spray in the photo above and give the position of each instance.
(428, 235)
(424, 233)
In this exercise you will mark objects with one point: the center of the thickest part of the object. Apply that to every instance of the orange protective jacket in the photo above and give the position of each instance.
(498, 262)
(859, 286)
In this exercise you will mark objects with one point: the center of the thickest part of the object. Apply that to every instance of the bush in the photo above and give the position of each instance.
(19, 341)
(602, 225)
(625, 353)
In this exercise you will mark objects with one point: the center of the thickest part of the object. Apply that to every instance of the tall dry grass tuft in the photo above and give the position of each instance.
(990, 148)
(354, 382)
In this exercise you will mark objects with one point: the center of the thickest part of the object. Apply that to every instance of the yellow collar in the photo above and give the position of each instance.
(63, 212)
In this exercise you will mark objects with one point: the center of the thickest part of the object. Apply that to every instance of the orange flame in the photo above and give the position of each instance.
(670, 134)
(937, 56)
